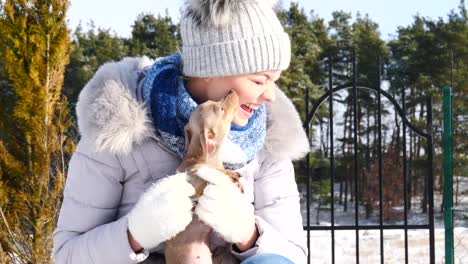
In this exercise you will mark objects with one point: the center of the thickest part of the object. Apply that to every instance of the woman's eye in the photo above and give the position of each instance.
(258, 83)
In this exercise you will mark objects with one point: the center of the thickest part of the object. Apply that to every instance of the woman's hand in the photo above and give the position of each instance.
(163, 211)
(250, 242)
(223, 207)
(133, 243)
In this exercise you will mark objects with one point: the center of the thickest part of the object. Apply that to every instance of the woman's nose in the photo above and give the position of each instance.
(270, 93)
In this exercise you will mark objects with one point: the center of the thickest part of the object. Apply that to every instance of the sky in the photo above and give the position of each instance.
(119, 15)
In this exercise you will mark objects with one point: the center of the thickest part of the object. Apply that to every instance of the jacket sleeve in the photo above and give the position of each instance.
(87, 230)
(277, 210)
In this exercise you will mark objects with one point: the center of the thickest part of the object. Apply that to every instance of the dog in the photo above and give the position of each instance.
(207, 128)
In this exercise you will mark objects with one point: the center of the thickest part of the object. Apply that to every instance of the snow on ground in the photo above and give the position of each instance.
(394, 240)
(394, 246)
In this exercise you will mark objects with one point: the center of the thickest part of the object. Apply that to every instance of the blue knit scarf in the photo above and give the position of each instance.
(171, 105)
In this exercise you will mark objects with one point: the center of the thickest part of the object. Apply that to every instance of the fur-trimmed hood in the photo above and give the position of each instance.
(110, 115)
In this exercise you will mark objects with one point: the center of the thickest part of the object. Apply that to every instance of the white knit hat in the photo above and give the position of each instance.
(232, 37)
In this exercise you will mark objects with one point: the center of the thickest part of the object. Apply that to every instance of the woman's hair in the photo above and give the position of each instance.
(232, 37)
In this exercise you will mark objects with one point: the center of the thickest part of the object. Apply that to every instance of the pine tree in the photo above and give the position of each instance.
(154, 36)
(421, 58)
(90, 50)
(35, 48)
(306, 36)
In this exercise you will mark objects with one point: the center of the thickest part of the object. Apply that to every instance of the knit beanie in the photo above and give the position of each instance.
(232, 37)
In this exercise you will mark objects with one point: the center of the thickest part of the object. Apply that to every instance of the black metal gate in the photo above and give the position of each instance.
(429, 190)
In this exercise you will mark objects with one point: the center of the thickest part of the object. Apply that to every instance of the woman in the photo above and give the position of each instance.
(119, 205)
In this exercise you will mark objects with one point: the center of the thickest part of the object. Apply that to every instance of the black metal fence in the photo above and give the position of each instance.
(408, 127)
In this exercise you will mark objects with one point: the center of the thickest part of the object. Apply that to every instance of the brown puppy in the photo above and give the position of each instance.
(208, 126)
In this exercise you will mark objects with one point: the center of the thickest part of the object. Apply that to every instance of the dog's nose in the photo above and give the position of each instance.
(232, 99)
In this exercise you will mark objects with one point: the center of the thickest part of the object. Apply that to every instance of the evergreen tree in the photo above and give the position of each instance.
(360, 39)
(421, 58)
(154, 36)
(35, 47)
(306, 36)
(90, 50)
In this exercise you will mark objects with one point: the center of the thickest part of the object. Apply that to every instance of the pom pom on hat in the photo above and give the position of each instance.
(218, 13)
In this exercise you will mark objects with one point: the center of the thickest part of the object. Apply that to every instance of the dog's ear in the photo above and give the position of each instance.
(208, 141)
(188, 137)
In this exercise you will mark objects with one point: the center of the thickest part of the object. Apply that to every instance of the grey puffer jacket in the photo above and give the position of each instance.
(118, 157)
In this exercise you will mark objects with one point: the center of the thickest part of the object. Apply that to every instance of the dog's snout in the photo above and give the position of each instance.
(231, 100)
(232, 96)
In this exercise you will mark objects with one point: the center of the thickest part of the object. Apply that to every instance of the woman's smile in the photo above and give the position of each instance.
(245, 111)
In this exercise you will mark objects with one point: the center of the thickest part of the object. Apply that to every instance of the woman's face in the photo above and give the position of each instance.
(253, 90)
